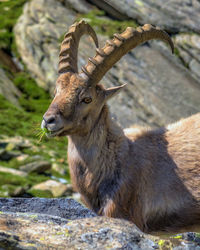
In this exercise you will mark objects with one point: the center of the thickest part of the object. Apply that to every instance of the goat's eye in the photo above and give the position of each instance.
(87, 100)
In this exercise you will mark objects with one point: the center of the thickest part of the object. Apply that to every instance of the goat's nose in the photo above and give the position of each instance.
(50, 119)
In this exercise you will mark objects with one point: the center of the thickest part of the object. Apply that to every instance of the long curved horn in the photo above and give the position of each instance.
(106, 57)
(69, 46)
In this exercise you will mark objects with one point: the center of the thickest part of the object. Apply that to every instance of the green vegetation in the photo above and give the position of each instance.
(25, 121)
(10, 182)
(42, 133)
(177, 237)
(10, 10)
(103, 25)
(40, 193)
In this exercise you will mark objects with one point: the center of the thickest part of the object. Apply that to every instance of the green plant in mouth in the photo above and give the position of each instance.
(42, 132)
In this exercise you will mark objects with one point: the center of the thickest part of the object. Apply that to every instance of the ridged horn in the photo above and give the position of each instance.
(106, 57)
(69, 46)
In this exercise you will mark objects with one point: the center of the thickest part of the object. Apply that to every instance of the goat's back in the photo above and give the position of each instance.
(168, 165)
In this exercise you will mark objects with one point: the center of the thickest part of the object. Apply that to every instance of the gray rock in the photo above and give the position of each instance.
(38, 32)
(174, 15)
(14, 143)
(12, 171)
(188, 49)
(62, 207)
(80, 6)
(65, 224)
(33, 231)
(8, 89)
(12, 190)
(8, 155)
(56, 188)
(159, 89)
(59, 168)
(36, 167)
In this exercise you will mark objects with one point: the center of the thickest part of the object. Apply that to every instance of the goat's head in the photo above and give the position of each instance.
(78, 97)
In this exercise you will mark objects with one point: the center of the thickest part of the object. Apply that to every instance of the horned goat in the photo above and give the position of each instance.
(152, 177)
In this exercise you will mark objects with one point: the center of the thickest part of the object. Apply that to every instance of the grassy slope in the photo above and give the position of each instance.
(34, 102)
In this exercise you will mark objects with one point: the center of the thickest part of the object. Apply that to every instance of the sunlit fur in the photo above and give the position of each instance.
(149, 177)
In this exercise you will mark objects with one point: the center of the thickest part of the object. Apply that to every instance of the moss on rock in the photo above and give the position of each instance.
(103, 25)
(9, 12)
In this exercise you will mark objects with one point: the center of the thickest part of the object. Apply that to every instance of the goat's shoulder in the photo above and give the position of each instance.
(186, 124)
(185, 127)
(135, 132)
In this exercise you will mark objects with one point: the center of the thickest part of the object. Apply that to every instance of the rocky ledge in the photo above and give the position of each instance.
(40, 223)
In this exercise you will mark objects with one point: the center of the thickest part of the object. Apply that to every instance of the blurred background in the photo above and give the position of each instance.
(161, 87)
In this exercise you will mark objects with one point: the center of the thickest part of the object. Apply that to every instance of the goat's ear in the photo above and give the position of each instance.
(110, 92)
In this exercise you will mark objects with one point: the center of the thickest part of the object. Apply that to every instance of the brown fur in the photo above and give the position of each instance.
(152, 180)
(149, 177)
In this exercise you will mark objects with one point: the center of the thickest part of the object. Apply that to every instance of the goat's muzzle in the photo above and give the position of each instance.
(53, 123)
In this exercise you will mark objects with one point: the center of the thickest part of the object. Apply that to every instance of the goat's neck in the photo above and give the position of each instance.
(96, 161)
(99, 149)
(104, 138)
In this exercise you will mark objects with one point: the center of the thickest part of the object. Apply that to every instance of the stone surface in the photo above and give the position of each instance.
(8, 61)
(6, 155)
(14, 143)
(36, 167)
(12, 171)
(12, 190)
(59, 168)
(80, 6)
(188, 49)
(8, 89)
(174, 15)
(160, 89)
(38, 34)
(56, 188)
(65, 224)
(10, 147)
(62, 207)
(31, 231)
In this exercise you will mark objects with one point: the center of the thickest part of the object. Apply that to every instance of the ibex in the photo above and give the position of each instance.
(150, 177)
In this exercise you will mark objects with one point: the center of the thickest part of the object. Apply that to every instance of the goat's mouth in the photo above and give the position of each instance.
(53, 133)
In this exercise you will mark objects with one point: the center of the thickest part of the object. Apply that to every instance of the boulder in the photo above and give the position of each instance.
(65, 208)
(22, 157)
(188, 50)
(160, 89)
(38, 33)
(65, 224)
(8, 89)
(80, 6)
(36, 167)
(32, 231)
(56, 188)
(9, 190)
(174, 16)
(12, 171)
(14, 143)
(59, 168)
(8, 155)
